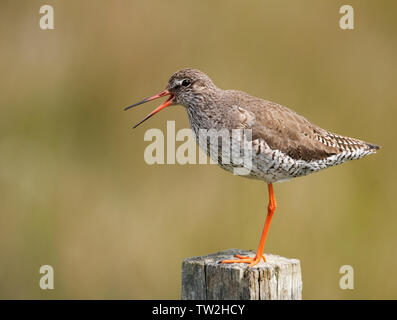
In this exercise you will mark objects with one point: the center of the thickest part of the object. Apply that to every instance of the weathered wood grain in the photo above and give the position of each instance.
(206, 279)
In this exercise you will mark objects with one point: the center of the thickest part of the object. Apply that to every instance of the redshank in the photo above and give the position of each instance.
(284, 144)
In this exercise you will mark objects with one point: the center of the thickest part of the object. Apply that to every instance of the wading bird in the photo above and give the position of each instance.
(285, 145)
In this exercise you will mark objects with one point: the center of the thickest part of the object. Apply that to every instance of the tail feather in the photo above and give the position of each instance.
(373, 146)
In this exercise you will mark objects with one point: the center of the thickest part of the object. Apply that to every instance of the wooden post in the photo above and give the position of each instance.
(204, 278)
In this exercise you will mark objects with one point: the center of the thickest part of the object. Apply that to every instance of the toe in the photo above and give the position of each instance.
(242, 257)
(254, 262)
(237, 261)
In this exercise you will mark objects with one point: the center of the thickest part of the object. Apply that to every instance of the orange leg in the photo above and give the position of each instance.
(259, 253)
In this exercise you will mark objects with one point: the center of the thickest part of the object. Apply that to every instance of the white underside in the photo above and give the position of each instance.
(275, 166)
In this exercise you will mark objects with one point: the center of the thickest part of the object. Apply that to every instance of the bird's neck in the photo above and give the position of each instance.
(204, 110)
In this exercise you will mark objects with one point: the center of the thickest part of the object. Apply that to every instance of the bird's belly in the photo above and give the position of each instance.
(260, 161)
(270, 165)
(247, 159)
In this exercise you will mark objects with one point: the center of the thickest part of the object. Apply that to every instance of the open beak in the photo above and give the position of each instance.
(165, 104)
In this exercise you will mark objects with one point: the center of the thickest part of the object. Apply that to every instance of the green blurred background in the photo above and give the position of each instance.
(75, 192)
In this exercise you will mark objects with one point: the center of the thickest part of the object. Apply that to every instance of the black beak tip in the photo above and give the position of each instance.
(129, 107)
(136, 104)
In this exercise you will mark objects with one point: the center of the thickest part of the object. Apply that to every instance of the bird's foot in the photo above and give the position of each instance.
(243, 259)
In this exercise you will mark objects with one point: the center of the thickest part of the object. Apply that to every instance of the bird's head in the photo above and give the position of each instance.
(185, 87)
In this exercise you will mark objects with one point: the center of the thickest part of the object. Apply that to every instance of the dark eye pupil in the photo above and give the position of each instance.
(185, 83)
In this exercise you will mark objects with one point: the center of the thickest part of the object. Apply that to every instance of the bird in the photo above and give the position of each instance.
(284, 144)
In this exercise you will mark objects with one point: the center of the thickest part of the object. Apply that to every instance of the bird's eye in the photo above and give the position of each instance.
(186, 83)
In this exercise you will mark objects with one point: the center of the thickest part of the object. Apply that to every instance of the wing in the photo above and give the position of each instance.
(292, 134)
(285, 130)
